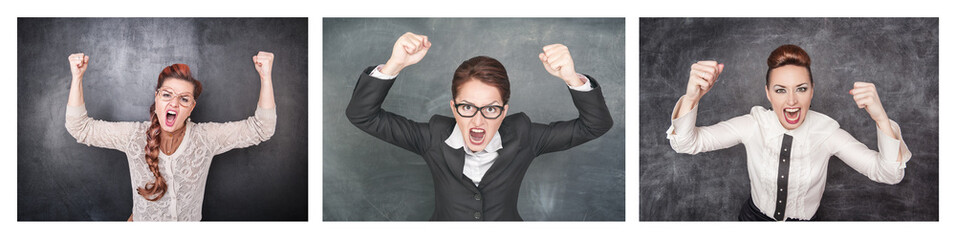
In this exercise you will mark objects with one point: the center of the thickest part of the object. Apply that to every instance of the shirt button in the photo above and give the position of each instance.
(478, 196)
(781, 176)
(781, 189)
(778, 213)
(477, 215)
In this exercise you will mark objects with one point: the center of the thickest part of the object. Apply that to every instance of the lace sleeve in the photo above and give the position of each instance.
(98, 133)
(223, 137)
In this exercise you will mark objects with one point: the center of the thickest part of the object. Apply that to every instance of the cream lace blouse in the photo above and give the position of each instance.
(185, 170)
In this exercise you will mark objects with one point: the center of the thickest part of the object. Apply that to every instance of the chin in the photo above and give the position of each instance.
(472, 148)
(790, 126)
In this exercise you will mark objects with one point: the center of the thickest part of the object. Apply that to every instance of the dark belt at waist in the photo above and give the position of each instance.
(750, 212)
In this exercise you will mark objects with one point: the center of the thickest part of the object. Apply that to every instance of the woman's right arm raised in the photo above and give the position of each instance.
(365, 107)
(86, 130)
(684, 135)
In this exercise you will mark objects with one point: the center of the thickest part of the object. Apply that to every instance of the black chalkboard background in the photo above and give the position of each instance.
(901, 56)
(368, 179)
(60, 179)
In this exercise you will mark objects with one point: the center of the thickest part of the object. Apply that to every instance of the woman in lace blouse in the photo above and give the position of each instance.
(169, 156)
(788, 146)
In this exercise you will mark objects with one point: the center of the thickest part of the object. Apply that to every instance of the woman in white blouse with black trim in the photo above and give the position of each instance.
(788, 146)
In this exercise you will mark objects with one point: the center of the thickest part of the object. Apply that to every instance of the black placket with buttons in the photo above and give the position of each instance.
(784, 173)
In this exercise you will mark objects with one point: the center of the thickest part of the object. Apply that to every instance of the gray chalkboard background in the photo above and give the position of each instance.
(60, 179)
(368, 179)
(900, 56)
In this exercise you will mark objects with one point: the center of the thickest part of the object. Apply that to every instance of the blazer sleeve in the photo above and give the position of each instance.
(594, 119)
(365, 112)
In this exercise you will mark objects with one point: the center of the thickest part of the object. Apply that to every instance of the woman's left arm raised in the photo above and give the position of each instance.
(256, 129)
(887, 164)
(263, 62)
(594, 118)
(865, 96)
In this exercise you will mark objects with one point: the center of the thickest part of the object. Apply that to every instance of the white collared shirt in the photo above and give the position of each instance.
(818, 138)
(476, 164)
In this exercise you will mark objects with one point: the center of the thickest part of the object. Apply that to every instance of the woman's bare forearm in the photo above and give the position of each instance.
(76, 93)
(266, 95)
(263, 64)
(78, 64)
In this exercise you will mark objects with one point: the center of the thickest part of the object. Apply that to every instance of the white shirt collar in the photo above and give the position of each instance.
(456, 140)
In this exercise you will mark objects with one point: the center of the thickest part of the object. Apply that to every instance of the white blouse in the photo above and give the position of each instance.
(818, 138)
(185, 170)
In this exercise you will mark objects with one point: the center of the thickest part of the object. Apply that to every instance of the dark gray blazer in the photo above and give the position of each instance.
(456, 196)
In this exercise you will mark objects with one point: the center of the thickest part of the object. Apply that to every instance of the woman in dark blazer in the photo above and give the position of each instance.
(478, 158)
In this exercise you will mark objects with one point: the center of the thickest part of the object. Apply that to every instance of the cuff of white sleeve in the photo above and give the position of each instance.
(890, 148)
(583, 87)
(377, 73)
(683, 125)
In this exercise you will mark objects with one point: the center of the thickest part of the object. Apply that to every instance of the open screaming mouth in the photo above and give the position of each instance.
(792, 115)
(170, 118)
(476, 136)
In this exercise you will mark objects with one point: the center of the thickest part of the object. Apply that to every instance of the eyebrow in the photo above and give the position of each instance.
(490, 104)
(170, 90)
(781, 86)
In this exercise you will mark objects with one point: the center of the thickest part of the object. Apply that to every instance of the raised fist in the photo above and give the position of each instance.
(263, 62)
(408, 50)
(703, 75)
(557, 61)
(78, 63)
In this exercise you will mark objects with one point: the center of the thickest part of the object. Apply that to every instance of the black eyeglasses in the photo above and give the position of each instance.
(469, 110)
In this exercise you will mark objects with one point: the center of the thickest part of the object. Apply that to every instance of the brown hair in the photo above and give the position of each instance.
(788, 55)
(484, 69)
(157, 188)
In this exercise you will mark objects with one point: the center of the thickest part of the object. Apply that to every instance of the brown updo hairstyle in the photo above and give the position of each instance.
(157, 188)
(484, 69)
(788, 55)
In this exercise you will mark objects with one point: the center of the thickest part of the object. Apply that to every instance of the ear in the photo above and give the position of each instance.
(505, 113)
(767, 90)
(811, 92)
(451, 104)
(191, 108)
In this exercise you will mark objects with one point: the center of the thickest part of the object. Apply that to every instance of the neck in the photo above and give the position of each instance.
(169, 141)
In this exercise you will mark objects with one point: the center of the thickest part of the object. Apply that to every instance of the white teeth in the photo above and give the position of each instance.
(171, 112)
(478, 130)
(791, 109)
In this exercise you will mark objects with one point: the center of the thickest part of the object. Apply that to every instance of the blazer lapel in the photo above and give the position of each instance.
(505, 155)
(455, 158)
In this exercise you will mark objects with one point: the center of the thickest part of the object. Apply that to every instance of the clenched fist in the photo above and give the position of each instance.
(408, 50)
(263, 63)
(556, 59)
(78, 63)
(864, 94)
(703, 75)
